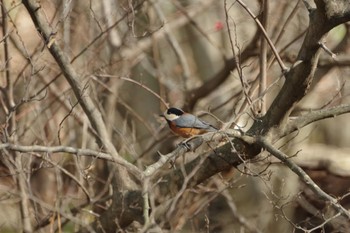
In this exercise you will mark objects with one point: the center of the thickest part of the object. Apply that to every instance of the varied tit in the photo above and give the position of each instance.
(185, 124)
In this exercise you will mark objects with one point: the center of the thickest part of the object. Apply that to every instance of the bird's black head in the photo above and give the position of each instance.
(172, 114)
(175, 111)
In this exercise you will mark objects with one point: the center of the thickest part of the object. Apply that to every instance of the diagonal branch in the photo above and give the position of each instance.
(303, 176)
(95, 117)
(273, 48)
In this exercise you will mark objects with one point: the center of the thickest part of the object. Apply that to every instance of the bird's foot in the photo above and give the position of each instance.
(186, 144)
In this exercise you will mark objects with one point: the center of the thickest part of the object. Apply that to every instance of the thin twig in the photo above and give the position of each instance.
(273, 48)
(23, 189)
(327, 50)
(283, 29)
(146, 205)
(145, 87)
(67, 173)
(174, 44)
(236, 55)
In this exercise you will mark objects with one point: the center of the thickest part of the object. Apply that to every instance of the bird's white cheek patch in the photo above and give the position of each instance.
(170, 117)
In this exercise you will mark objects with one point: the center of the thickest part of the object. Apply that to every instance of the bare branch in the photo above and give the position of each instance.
(263, 61)
(314, 116)
(71, 150)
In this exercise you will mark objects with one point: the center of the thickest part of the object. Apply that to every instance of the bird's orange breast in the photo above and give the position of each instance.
(186, 132)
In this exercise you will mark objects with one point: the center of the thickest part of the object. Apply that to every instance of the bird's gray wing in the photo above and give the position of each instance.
(191, 121)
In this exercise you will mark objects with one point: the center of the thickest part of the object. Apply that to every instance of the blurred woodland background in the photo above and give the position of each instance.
(83, 148)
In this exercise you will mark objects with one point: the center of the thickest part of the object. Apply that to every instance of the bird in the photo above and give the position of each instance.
(185, 124)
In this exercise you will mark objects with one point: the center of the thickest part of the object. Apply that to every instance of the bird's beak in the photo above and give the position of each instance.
(161, 115)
